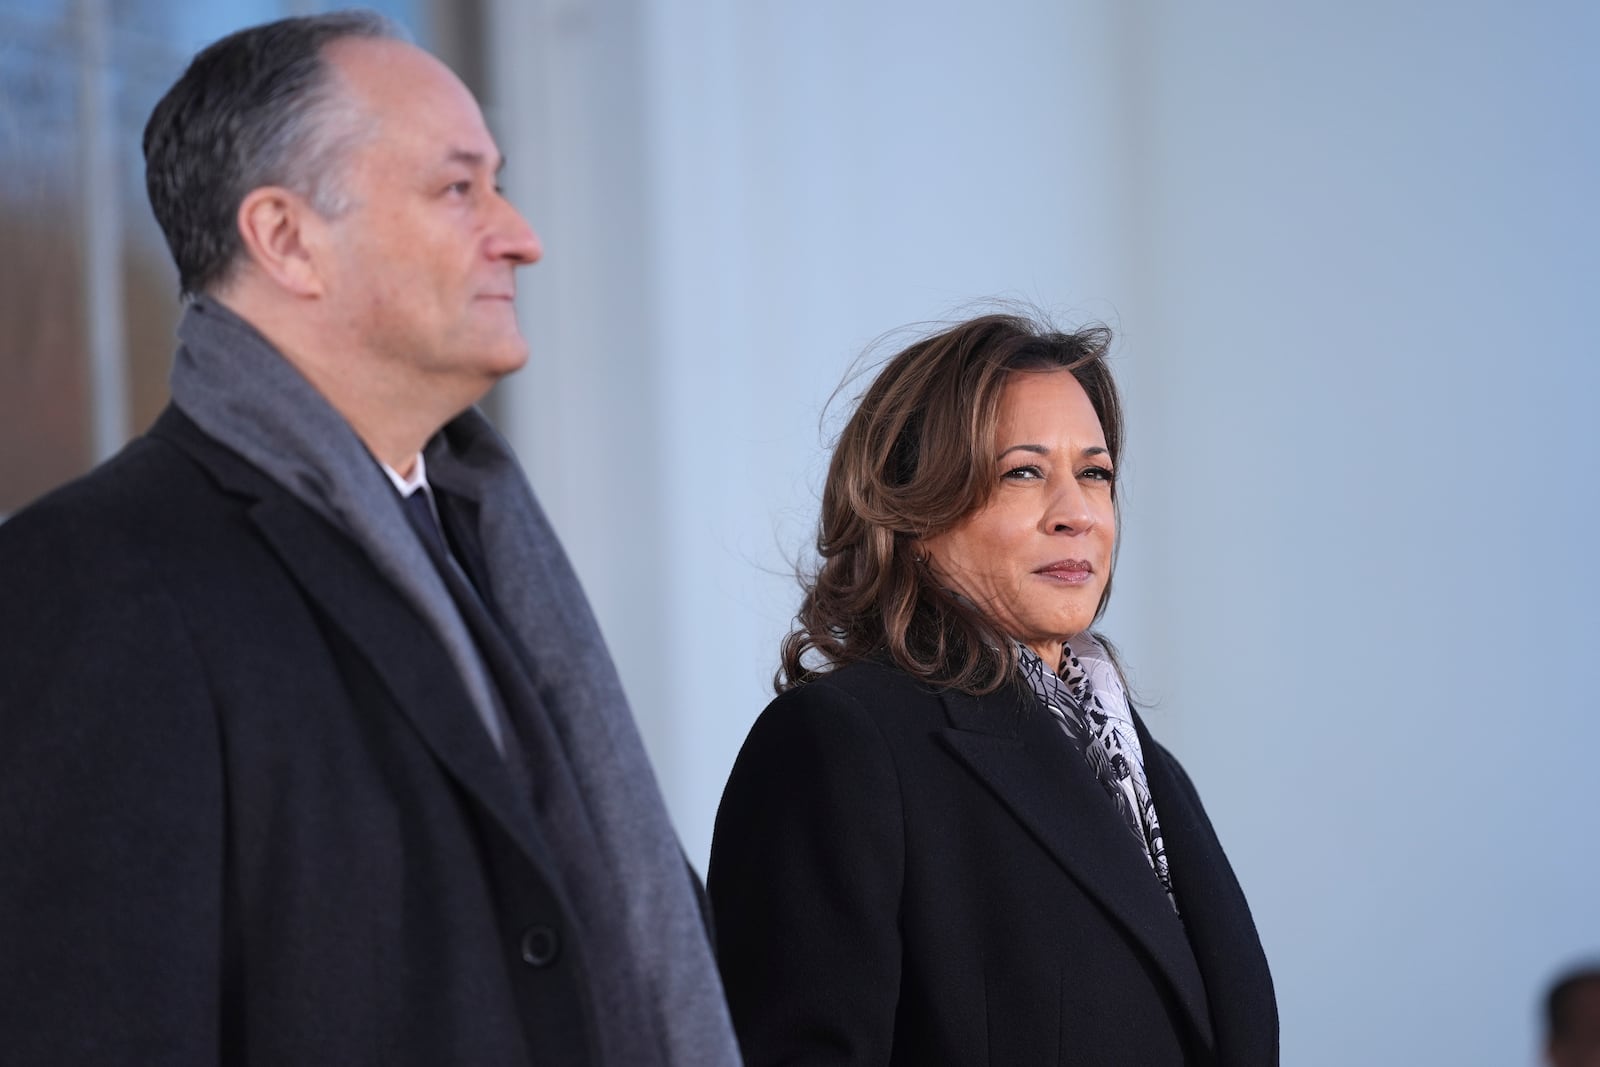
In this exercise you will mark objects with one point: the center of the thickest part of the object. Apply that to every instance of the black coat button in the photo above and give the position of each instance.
(540, 946)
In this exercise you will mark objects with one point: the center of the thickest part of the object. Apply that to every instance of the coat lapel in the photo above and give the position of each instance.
(1026, 761)
(1216, 915)
(403, 652)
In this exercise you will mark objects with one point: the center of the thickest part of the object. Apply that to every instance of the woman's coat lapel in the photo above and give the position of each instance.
(1029, 765)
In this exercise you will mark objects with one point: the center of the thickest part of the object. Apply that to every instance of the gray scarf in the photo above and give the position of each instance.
(658, 997)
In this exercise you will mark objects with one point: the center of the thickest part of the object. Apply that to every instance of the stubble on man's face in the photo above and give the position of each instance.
(427, 251)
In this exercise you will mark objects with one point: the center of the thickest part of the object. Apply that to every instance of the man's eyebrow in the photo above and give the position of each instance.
(475, 159)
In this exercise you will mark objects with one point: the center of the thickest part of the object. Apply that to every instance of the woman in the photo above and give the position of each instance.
(949, 840)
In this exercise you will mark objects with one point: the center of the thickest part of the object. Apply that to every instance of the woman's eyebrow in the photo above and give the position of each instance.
(1041, 450)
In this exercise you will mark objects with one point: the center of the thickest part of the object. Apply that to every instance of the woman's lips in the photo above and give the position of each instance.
(1070, 571)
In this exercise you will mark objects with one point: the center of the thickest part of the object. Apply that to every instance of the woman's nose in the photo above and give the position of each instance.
(1068, 511)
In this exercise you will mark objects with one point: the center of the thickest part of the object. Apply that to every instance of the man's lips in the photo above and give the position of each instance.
(1071, 571)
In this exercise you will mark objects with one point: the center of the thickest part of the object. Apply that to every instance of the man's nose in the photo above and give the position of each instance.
(514, 239)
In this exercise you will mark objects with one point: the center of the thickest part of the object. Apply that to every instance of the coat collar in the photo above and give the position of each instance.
(1025, 760)
(1216, 916)
(333, 573)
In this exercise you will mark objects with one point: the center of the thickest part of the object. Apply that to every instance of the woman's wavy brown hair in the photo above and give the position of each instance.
(914, 460)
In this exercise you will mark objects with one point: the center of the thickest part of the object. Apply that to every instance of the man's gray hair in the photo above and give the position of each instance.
(259, 107)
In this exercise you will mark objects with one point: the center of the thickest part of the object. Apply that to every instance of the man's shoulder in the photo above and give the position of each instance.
(111, 491)
(164, 536)
(153, 496)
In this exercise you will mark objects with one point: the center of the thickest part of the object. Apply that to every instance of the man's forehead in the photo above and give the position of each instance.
(383, 71)
(422, 108)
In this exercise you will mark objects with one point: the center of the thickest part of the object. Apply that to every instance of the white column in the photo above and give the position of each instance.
(101, 206)
(565, 98)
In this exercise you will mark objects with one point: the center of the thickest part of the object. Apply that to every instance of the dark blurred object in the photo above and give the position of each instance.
(1572, 1018)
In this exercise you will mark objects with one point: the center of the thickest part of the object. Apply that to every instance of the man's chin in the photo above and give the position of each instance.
(503, 357)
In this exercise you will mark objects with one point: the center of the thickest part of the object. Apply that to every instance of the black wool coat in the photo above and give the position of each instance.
(908, 876)
(247, 812)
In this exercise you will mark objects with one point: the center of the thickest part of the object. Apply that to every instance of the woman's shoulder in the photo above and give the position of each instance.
(872, 682)
(867, 696)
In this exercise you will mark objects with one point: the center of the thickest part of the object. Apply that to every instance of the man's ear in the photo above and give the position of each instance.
(280, 234)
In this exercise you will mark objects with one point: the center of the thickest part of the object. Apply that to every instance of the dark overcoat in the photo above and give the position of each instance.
(907, 876)
(247, 811)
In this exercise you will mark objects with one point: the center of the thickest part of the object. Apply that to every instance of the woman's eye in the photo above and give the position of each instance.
(458, 188)
(1026, 473)
(1099, 474)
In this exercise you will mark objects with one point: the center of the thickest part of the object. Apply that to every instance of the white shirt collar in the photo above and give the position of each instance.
(406, 486)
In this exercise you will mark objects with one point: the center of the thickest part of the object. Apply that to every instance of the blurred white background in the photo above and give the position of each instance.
(1350, 253)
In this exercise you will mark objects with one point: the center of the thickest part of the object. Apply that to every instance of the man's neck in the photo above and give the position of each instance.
(382, 411)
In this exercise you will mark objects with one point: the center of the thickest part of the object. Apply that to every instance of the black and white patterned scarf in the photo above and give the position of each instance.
(1090, 704)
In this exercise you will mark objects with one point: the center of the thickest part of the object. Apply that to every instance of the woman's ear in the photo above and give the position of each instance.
(279, 231)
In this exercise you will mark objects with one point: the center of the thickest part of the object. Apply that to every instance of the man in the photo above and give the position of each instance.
(310, 751)
(1572, 1019)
